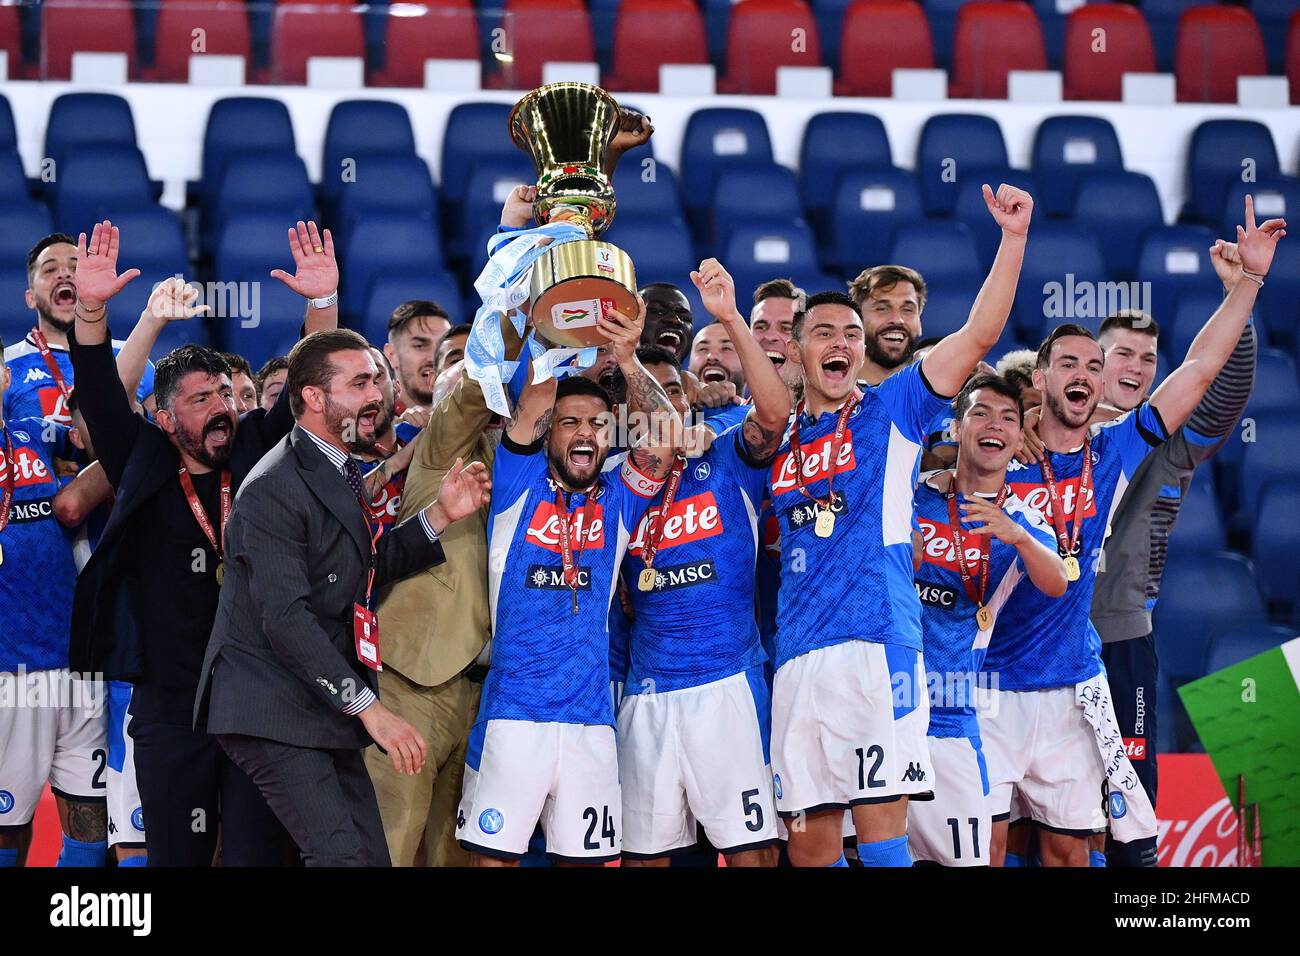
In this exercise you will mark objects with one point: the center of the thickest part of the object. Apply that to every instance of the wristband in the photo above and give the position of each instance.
(325, 303)
(1257, 279)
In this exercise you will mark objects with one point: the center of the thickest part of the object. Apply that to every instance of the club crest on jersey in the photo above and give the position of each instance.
(936, 595)
(816, 462)
(937, 549)
(1035, 495)
(587, 528)
(689, 519)
(686, 575)
(547, 577)
(6, 801)
(28, 467)
(702, 471)
(804, 514)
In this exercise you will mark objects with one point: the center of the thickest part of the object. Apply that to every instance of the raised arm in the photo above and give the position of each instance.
(97, 281)
(171, 301)
(1183, 389)
(765, 424)
(316, 275)
(654, 451)
(82, 495)
(533, 411)
(950, 362)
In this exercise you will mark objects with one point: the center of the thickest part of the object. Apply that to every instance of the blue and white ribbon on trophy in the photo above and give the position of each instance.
(503, 286)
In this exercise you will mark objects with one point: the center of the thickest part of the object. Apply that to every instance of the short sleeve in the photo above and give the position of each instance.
(515, 467)
(730, 453)
(910, 401)
(721, 419)
(1134, 435)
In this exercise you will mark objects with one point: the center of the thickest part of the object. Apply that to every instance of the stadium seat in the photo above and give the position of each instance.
(239, 125)
(8, 134)
(474, 132)
(270, 182)
(1276, 389)
(1186, 623)
(758, 252)
(1271, 456)
(70, 26)
(660, 247)
(271, 329)
(1063, 265)
(991, 39)
(717, 138)
(944, 253)
(11, 40)
(388, 292)
(763, 36)
(952, 144)
(360, 128)
(441, 30)
(1119, 208)
(489, 186)
(541, 31)
(642, 198)
(1199, 525)
(388, 182)
(225, 33)
(870, 204)
(1176, 260)
(301, 32)
(153, 241)
(1241, 644)
(15, 318)
(1091, 74)
(942, 15)
(1178, 328)
(1162, 17)
(1275, 197)
(639, 48)
(1174, 728)
(14, 187)
(1293, 56)
(1221, 151)
(878, 37)
(251, 242)
(833, 143)
(384, 244)
(92, 186)
(971, 209)
(1275, 540)
(1067, 148)
(1215, 46)
(948, 307)
(21, 224)
(1273, 16)
(754, 193)
(77, 119)
(1280, 309)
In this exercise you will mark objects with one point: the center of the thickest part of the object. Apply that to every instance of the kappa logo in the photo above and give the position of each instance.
(36, 375)
(689, 519)
(804, 514)
(936, 595)
(1035, 495)
(937, 549)
(491, 820)
(550, 578)
(914, 773)
(586, 530)
(29, 468)
(816, 463)
(685, 575)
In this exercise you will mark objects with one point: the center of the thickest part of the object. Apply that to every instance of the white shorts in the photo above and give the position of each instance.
(1041, 751)
(848, 727)
(125, 817)
(519, 772)
(52, 729)
(953, 829)
(697, 754)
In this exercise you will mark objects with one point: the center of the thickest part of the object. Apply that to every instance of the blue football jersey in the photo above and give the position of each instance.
(697, 624)
(857, 583)
(549, 664)
(37, 573)
(954, 643)
(721, 419)
(385, 506)
(1044, 642)
(33, 392)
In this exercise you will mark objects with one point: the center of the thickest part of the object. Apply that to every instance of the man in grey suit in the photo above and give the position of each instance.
(288, 680)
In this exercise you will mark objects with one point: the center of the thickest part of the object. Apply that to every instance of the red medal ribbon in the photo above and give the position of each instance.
(201, 516)
(797, 453)
(656, 537)
(11, 477)
(986, 542)
(51, 363)
(567, 556)
(1068, 545)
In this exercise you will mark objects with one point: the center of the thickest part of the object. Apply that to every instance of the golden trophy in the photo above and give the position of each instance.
(567, 129)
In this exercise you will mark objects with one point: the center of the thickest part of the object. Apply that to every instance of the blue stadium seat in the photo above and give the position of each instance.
(361, 128)
(754, 193)
(240, 126)
(1199, 526)
(1067, 148)
(943, 252)
(642, 198)
(388, 181)
(1273, 16)
(947, 307)
(1186, 623)
(385, 243)
(1162, 17)
(175, 334)
(152, 241)
(1052, 21)
(1119, 208)
(14, 187)
(475, 132)
(16, 319)
(1244, 643)
(267, 182)
(1176, 260)
(660, 247)
(1221, 152)
(717, 139)
(1276, 197)
(21, 224)
(480, 206)
(833, 143)
(93, 186)
(1275, 540)
(952, 148)
(8, 133)
(1272, 455)
(943, 25)
(1276, 389)
(1063, 279)
(870, 204)
(717, 21)
(80, 118)
(780, 248)
(1188, 318)
(1279, 310)
(274, 328)
(387, 293)
(971, 209)
(252, 242)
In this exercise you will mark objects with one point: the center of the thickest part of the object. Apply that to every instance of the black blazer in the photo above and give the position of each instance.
(282, 660)
(138, 460)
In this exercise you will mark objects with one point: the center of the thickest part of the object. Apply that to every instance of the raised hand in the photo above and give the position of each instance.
(464, 489)
(991, 520)
(518, 210)
(623, 331)
(633, 129)
(718, 291)
(1256, 244)
(96, 278)
(316, 271)
(1011, 208)
(1226, 261)
(173, 299)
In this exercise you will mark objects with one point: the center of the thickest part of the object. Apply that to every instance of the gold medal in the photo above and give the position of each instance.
(646, 580)
(1071, 568)
(825, 523)
(221, 573)
(984, 618)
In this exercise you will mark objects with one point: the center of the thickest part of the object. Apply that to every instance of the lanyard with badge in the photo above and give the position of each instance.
(825, 524)
(10, 478)
(201, 516)
(583, 528)
(51, 363)
(983, 616)
(646, 580)
(365, 623)
(1067, 545)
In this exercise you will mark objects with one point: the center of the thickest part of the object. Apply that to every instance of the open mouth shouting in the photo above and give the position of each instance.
(1077, 397)
(713, 373)
(992, 443)
(582, 456)
(671, 339)
(776, 358)
(1129, 385)
(893, 337)
(835, 370)
(367, 417)
(64, 295)
(219, 431)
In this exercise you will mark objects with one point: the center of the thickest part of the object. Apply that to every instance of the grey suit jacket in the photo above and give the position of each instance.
(281, 663)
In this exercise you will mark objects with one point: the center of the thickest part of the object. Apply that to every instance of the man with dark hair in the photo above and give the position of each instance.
(384, 456)
(1052, 740)
(890, 299)
(714, 357)
(668, 319)
(41, 370)
(147, 598)
(242, 382)
(771, 320)
(414, 331)
(270, 380)
(451, 347)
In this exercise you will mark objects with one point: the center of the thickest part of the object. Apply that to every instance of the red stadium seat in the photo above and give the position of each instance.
(10, 39)
(1215, 46)
(1095, 62)
(225, 32)
(444, 30)
(298, 34)
(69, 27)
(878, 37)
(1293, 55)
(543, 31)
(761, 37)
(991, 39)
(639, 47)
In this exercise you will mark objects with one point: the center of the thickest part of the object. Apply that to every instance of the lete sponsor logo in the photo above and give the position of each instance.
(816, 463)
(689, 519)
(587, 528)
(937, 549)
(29, 469)
(1035, 495)
(1197, 821)
(1136, 748)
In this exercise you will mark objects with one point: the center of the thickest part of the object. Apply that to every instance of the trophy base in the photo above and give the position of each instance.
(576, 283)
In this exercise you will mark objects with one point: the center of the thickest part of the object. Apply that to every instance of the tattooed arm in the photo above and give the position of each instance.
(657, 435)
(532, 415)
